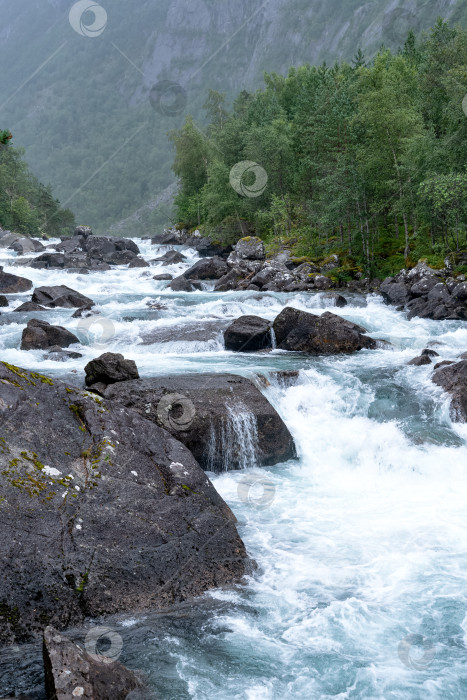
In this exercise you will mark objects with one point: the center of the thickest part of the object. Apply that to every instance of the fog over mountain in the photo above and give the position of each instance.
(81, 98)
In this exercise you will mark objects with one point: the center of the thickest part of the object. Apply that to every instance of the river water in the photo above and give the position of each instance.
(360, 591)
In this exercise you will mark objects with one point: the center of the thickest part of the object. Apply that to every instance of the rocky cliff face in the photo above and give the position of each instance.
(103, 133)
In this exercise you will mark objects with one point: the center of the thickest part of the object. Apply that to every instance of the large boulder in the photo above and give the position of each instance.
(110, 368)
(249, 248)
(206, 247)
(453, 379)
(26, 245)
(3, 301)
(39, 335)
(223, 419)
(247, 334)
(171, 257)
(327, 334)
(207, 269)
(71, 672)
(60, 296)
(12, 284)
(181, 284)
(102, 511)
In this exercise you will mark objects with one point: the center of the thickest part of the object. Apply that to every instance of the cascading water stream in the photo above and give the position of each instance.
(360, 544)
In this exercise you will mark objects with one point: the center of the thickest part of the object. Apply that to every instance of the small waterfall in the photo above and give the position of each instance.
(273, 339)
(234, 441)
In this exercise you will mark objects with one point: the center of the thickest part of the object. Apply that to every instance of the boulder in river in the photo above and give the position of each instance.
(3, 301)
(249, 248)
(39, 335)
(60, 296)
(207, 269)
(110, 368)
(165, 277)
(181, 284)
(27, 245)
(453, 379)
(327, 334)
(12, 284)
(247, 334)
(223, 419)
(420, 361)
(29, 306)
(102, 511)
(72, 672)
(171, 257)
(138, 262)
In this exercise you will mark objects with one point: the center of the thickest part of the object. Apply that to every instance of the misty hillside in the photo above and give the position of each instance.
(86, 107)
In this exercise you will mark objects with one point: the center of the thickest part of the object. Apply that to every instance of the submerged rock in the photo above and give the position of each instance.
(247, 334)
(29, 306)
(223, 419)
(12, 284)
(60, 296)
(172, 257)
(453, 379)
(39, 335)
(102, 511)
(70, 672)
(181, 284)
(3, 301)
(327, 334)
(420, 361)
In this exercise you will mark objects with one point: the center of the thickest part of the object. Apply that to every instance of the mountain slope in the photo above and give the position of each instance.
(83, 106)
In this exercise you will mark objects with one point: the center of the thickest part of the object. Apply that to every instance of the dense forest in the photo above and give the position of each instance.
(26, 205)
(366, 159)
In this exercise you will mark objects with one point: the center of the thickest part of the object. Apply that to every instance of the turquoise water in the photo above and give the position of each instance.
(360, 587)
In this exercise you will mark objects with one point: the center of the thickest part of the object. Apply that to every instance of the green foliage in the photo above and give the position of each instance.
(366, 160)
(26, 205)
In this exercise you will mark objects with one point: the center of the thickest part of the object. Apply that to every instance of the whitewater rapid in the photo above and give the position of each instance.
(360, 588)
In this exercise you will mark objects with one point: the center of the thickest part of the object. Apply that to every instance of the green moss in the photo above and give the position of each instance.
(43, 378)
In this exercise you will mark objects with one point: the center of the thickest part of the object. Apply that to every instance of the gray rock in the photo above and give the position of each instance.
(138, 262)
(444, 363)
(71, 672)
(57, 354)
(84, 231)
(216, 416)
(12, 284)
(393, 292)
(181, 284)
(3, 301)
(27, 245)
(164, 277)
(322, 282)
(249, 248)
(460, 292)
(102, 511)
(60, 296)
(39, 335)
(110, 368)
(48, 260)
(29, 306)
(172, 257)
(207, 269)
(335, 299)
(327, 334)
(248, 334)
(419, 361)
(453, 380)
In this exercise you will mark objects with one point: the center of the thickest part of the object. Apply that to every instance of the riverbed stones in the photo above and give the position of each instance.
(3, 301)
(248, 334)
(12, 284)
(71, 672)
(420, 361)
(60, 296)
(39, 335)
(218, 417)
(207, 269)
(453, 379)
(102, 511)
(327, 334)
(29, 306)
(110, 368)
